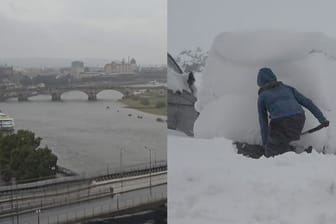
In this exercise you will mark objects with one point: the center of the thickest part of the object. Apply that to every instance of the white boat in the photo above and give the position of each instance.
(6, 123)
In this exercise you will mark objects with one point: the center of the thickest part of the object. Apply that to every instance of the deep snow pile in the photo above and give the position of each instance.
(210, 183)
(228, 96)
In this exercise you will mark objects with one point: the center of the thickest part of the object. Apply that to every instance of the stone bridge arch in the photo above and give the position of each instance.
(56, 95)
(92, 93)
(123, 91)
(56, 92)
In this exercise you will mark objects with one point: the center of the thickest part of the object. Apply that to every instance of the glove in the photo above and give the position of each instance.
(325, 123)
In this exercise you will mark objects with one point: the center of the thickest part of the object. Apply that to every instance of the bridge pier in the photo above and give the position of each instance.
(22, 97)
(127, 92)
(92, 98)
(92, 95)
(55, 96)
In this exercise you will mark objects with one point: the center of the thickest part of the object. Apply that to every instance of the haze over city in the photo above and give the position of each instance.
(83, 30)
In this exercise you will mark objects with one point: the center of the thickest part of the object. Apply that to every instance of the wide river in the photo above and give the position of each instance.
(87, 136)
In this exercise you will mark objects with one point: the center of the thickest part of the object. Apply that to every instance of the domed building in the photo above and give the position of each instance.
(121, 67)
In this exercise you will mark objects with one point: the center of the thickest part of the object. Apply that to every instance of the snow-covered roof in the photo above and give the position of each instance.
(177, 82)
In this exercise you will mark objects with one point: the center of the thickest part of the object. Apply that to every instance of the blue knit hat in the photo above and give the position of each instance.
(265, 76)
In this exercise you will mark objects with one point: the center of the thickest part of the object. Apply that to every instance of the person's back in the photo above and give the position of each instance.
(280, 101)
(284, 105)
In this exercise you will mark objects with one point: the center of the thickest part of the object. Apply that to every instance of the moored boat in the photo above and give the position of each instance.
(6, 123)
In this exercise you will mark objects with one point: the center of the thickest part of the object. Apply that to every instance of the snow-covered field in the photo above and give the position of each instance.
(210, 183)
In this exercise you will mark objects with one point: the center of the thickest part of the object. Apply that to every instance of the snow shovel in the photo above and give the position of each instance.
(319, 127)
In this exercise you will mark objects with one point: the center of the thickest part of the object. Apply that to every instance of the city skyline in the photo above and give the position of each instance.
(58, 62)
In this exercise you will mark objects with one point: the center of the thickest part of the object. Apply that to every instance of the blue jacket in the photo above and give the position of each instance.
(280, 101)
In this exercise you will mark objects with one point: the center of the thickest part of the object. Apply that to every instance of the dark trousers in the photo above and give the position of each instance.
(281, 132)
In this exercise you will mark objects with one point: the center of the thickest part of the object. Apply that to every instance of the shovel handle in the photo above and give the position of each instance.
(313, 129)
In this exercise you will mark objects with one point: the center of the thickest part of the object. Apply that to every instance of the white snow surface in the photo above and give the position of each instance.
(210, 183)
(227, 98)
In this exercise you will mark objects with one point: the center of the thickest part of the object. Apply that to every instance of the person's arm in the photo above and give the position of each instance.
(263, 120)
(308, 103)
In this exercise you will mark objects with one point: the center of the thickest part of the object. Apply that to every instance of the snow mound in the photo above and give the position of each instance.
(220, 186)
(227, 99)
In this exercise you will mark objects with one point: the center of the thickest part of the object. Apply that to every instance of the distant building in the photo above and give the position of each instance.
(6, 72)
(6, 77)
(91, 74)
(6, 84)
(116, 67)
(155, 70)
(65, 71)
(77, 67)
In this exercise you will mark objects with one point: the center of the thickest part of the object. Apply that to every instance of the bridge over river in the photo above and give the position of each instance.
(74, 199)
(56, 92)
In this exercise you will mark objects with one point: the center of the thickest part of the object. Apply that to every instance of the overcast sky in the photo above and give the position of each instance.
(193, 23)
(109, 29)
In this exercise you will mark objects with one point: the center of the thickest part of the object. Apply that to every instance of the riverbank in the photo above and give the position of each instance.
(60, 173)
(149, 104)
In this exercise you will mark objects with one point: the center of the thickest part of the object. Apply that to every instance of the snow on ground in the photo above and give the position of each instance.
(210, 183)
(227, 97)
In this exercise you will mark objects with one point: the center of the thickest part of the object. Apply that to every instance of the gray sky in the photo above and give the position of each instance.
(109, 29)
(193, 23)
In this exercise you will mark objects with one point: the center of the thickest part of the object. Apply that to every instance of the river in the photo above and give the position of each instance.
(87, 136)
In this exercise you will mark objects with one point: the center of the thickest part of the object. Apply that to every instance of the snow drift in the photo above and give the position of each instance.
(227, 99)
(220, 186)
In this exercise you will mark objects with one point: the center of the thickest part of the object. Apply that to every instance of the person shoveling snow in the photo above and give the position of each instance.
(284, 104)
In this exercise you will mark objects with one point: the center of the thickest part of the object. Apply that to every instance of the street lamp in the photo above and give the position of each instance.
(17, 202)
(150, 169)
(38, 211)
(13, 182)
(121, 168)
(118, 201)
